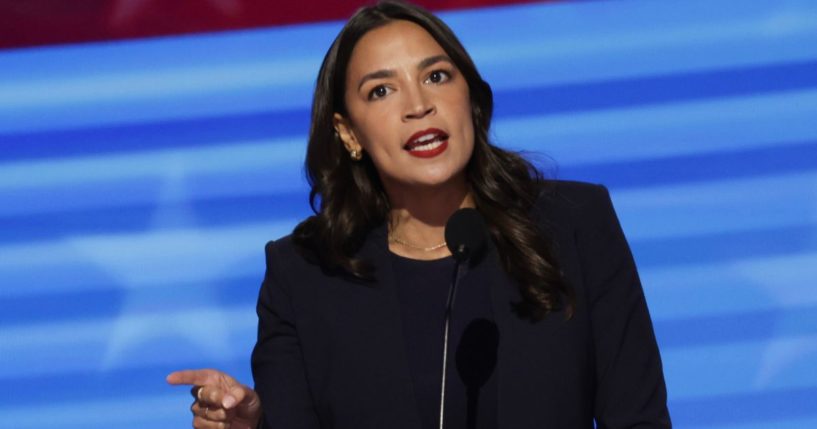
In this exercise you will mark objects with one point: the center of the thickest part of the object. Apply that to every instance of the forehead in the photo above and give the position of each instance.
(395, 44)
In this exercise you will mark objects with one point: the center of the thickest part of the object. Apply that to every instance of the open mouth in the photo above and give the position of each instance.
(427, 143)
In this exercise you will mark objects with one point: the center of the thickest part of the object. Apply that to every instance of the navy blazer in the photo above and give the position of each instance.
(330, 352)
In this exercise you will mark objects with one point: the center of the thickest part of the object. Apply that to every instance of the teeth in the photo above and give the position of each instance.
(428, 146)
(426, 138)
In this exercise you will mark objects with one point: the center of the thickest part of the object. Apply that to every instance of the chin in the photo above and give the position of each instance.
(438, 181)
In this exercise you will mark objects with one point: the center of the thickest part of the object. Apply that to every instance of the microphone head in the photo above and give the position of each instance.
(465, 233)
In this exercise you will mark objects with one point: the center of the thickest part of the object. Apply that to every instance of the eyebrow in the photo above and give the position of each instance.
(381, 74)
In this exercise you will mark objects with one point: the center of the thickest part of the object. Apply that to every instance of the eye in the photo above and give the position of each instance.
(438, 76)
(378, 92)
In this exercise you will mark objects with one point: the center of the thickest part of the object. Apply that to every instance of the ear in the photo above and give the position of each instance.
(344, 129)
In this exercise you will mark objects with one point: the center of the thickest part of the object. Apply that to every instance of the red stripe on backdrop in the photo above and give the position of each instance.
(43, 22)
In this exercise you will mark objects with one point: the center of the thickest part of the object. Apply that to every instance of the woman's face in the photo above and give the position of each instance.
(408, 108)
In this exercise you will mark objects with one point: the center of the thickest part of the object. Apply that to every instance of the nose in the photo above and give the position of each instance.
(418, 104)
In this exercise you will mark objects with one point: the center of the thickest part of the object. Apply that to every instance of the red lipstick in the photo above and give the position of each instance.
(427, 143)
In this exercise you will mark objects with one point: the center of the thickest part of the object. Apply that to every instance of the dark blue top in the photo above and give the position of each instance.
(422, 289)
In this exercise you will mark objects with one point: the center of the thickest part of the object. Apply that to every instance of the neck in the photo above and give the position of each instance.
(418, 218)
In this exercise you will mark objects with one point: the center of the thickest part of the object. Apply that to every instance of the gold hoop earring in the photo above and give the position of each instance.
(355, 155)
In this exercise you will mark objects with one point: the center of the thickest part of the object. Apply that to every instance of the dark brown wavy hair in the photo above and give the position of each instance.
(349, 200)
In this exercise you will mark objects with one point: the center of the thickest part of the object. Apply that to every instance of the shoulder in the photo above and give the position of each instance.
(288, 260)
(283, 259)
(281, 245)
(567, 192)
(579, 205)
(289, 271)
(283, 252)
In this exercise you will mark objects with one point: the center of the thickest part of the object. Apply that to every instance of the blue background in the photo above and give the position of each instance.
(139, 181)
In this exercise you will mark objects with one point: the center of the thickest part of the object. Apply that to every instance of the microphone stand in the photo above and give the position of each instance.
(452, 290)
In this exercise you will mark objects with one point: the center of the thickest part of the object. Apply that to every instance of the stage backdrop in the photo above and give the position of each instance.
(140, 179)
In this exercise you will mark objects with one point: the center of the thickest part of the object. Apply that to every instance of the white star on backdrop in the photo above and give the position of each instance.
(784, 353)
(173, 252)
(790, 270)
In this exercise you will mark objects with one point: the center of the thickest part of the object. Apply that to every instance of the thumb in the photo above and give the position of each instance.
(236, 395)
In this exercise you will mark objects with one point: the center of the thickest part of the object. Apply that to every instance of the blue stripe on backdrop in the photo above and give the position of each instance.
(140, 381)
(764, 407)
(741, 367)
(136, 338)
(185, 132)
(731, 328)
(655, 89)
(716, 289)
(104, 412)
(727, 246)
(98, 302)
(206, 213)
(138, 186)
(781, 159)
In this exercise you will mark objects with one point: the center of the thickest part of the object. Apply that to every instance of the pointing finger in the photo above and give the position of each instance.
(193, 376)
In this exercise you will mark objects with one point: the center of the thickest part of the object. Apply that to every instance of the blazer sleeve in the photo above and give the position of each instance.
(277, 361)
(630, 388)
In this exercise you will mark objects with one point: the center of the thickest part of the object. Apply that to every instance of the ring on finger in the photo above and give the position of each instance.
(198, 392)
(205, 413)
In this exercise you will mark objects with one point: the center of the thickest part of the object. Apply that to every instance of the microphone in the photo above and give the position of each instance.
(465, 236)
(465, 233)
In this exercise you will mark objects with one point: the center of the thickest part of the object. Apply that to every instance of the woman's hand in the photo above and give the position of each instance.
(221, 401)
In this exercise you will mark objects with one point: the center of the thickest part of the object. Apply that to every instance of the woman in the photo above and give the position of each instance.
(550, 327)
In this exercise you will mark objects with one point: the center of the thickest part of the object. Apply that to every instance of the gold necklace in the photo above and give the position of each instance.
(414, 246)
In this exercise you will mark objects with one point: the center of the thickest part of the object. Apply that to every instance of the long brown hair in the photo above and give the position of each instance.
(349, 200)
